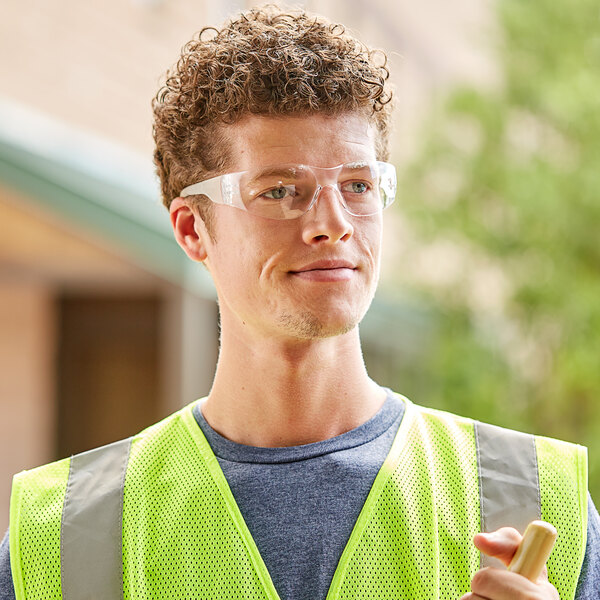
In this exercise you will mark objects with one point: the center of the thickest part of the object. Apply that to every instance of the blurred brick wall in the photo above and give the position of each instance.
(97, 64)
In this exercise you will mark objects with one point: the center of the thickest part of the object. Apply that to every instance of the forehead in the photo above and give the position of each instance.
(318, 140)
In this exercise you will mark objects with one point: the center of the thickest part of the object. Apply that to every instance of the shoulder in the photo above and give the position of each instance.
(7, 591)
(481, 428)
(39, 492)
(589, 578)
(56, 471)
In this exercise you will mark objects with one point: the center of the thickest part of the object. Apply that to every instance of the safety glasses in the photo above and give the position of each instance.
(288, 191)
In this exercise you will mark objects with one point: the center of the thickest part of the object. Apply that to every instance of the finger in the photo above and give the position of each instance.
(543, 578)
(501, 544)
(504, 585)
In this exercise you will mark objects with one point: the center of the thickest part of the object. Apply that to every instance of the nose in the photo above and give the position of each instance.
(327, 221)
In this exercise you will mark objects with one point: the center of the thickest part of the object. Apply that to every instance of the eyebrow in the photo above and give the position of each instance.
(355, 166)
(360, 164)
(290, 173)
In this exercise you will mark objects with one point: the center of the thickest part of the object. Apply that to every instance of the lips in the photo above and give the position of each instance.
(326, 271)
(325, 265)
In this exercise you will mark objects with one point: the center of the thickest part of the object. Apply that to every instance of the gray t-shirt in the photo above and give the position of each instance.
(300, 503)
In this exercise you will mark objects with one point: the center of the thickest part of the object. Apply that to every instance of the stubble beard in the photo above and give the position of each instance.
(309, 326)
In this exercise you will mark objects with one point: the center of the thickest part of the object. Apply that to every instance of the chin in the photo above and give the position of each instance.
(309, 326)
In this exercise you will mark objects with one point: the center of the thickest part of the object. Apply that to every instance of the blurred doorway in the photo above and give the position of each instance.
(109, 373)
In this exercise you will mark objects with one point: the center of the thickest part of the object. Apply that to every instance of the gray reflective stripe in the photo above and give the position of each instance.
(91, 541)
(509, 486)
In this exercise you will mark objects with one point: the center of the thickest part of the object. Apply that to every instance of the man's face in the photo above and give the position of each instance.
(304, 278)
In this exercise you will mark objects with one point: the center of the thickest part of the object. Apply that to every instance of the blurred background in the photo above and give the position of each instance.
(489, 303)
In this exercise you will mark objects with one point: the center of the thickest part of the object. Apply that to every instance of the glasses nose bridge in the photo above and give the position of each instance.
(326, 178)
(320, 188)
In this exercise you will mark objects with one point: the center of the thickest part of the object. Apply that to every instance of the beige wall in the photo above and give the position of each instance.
(26, 382)
(92, 64)
(97, 65)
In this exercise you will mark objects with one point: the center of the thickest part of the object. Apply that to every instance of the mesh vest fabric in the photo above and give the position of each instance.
(184, 537)
(559, 465)
(35, 515)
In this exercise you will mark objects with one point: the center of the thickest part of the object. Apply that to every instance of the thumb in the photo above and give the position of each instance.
(501, 544)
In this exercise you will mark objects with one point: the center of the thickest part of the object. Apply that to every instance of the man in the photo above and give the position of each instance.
(298, 477)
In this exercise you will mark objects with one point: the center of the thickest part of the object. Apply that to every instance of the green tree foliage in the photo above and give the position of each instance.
(509, 183)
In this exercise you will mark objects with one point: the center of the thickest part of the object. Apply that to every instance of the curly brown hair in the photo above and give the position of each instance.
(267, 62)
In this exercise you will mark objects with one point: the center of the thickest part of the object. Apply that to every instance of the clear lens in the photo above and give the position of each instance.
(359, 185)
(288, 191)
(387, 183)
(280, 192)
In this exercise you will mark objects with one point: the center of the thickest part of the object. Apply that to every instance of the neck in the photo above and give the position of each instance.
(277, 392)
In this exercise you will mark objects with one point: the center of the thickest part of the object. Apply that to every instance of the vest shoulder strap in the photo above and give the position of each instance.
(523, 477)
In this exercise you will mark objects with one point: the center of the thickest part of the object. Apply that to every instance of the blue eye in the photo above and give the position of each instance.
(355, 187)
(277, 193)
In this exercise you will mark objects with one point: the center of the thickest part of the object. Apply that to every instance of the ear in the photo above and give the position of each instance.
(189, 229)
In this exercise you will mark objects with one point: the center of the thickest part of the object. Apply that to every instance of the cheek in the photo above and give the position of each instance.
(369, 238)
(237, 276)
(377, 236)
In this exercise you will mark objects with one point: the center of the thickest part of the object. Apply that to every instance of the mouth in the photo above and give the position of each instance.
(326, 271)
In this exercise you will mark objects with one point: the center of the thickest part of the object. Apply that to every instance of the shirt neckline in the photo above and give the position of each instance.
(389, 414)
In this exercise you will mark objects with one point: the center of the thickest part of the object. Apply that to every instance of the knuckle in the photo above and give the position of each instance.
(541, 592)
(551, 591)
(479, 579)
(511, 533)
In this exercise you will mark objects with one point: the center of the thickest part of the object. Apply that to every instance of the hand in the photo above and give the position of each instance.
(495, 584)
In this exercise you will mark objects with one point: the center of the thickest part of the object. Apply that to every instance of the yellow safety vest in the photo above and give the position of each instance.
(152, 517)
